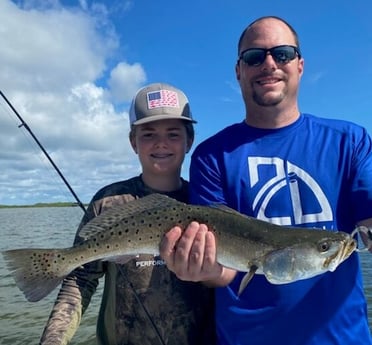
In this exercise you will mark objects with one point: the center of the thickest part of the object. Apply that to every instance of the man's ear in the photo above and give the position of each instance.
(237, 71)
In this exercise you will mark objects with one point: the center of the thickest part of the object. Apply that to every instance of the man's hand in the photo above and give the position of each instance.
(366, 233)
(191, 255)
(366, 236)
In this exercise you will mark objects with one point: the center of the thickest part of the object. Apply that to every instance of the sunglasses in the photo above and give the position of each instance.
(281, 54)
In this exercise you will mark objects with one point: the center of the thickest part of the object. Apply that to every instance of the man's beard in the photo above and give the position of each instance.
(268, 101)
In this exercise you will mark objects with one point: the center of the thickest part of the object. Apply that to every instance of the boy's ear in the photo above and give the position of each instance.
(189, 144)
(133, 144)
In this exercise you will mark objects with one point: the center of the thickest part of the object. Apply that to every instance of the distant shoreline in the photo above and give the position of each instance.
(47, 204)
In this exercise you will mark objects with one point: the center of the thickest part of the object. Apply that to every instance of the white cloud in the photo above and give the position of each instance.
(315, 77)
(52, 58)
(121, 90)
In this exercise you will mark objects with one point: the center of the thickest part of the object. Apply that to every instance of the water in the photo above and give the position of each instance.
(22, 322)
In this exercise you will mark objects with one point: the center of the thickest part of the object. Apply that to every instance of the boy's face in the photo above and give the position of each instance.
(161, 146)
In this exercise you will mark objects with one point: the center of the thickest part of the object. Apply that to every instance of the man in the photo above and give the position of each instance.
(288, 168)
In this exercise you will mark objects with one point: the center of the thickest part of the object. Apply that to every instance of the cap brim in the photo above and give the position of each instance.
(162, 117)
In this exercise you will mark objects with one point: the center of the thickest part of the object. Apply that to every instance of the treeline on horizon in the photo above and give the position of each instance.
(40, 204)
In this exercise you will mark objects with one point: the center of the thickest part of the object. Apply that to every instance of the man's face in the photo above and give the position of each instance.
(270, 83)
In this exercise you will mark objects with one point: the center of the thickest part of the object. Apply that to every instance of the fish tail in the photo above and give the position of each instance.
(36, 271)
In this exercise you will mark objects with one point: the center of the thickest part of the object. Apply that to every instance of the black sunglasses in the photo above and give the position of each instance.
(281, 54)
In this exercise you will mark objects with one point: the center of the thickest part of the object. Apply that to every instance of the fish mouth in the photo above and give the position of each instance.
(347, 247)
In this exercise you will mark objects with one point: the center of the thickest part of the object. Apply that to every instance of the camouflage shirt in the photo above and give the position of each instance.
(143, 302)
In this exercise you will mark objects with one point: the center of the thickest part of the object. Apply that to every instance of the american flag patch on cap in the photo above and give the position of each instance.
(162, 98)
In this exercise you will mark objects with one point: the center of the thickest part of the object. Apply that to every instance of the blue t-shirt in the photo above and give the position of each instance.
(313, 173)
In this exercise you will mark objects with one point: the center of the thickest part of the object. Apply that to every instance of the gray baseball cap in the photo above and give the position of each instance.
(159, 101)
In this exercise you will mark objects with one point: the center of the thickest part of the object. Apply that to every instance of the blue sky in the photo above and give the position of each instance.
(71, 67)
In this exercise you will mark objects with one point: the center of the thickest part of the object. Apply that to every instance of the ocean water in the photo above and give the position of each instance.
(22, 322)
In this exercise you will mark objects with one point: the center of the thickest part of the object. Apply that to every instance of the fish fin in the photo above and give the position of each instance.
(247, 278)
(116, 213)
(29, 268)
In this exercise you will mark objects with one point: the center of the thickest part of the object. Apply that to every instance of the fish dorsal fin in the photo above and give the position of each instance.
(116, 213)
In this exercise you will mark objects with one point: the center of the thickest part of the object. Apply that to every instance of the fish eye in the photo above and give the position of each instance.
(323, 246)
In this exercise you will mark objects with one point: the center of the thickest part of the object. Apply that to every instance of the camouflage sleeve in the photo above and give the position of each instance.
(73, 298)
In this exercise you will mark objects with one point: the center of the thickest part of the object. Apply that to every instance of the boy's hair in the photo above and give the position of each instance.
(190, 131)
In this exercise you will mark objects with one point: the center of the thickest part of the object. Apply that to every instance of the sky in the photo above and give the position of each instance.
(70, 69)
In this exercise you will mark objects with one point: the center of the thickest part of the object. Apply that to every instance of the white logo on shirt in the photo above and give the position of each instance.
(287, 175)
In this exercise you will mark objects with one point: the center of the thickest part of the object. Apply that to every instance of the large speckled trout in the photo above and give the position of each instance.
(244, 243)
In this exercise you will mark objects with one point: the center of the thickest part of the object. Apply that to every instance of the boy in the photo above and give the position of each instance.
(143, 302)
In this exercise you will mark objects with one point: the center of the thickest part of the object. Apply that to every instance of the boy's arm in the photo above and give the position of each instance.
(73, 298)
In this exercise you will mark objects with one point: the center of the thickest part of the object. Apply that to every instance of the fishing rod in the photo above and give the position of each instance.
(25, 125)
